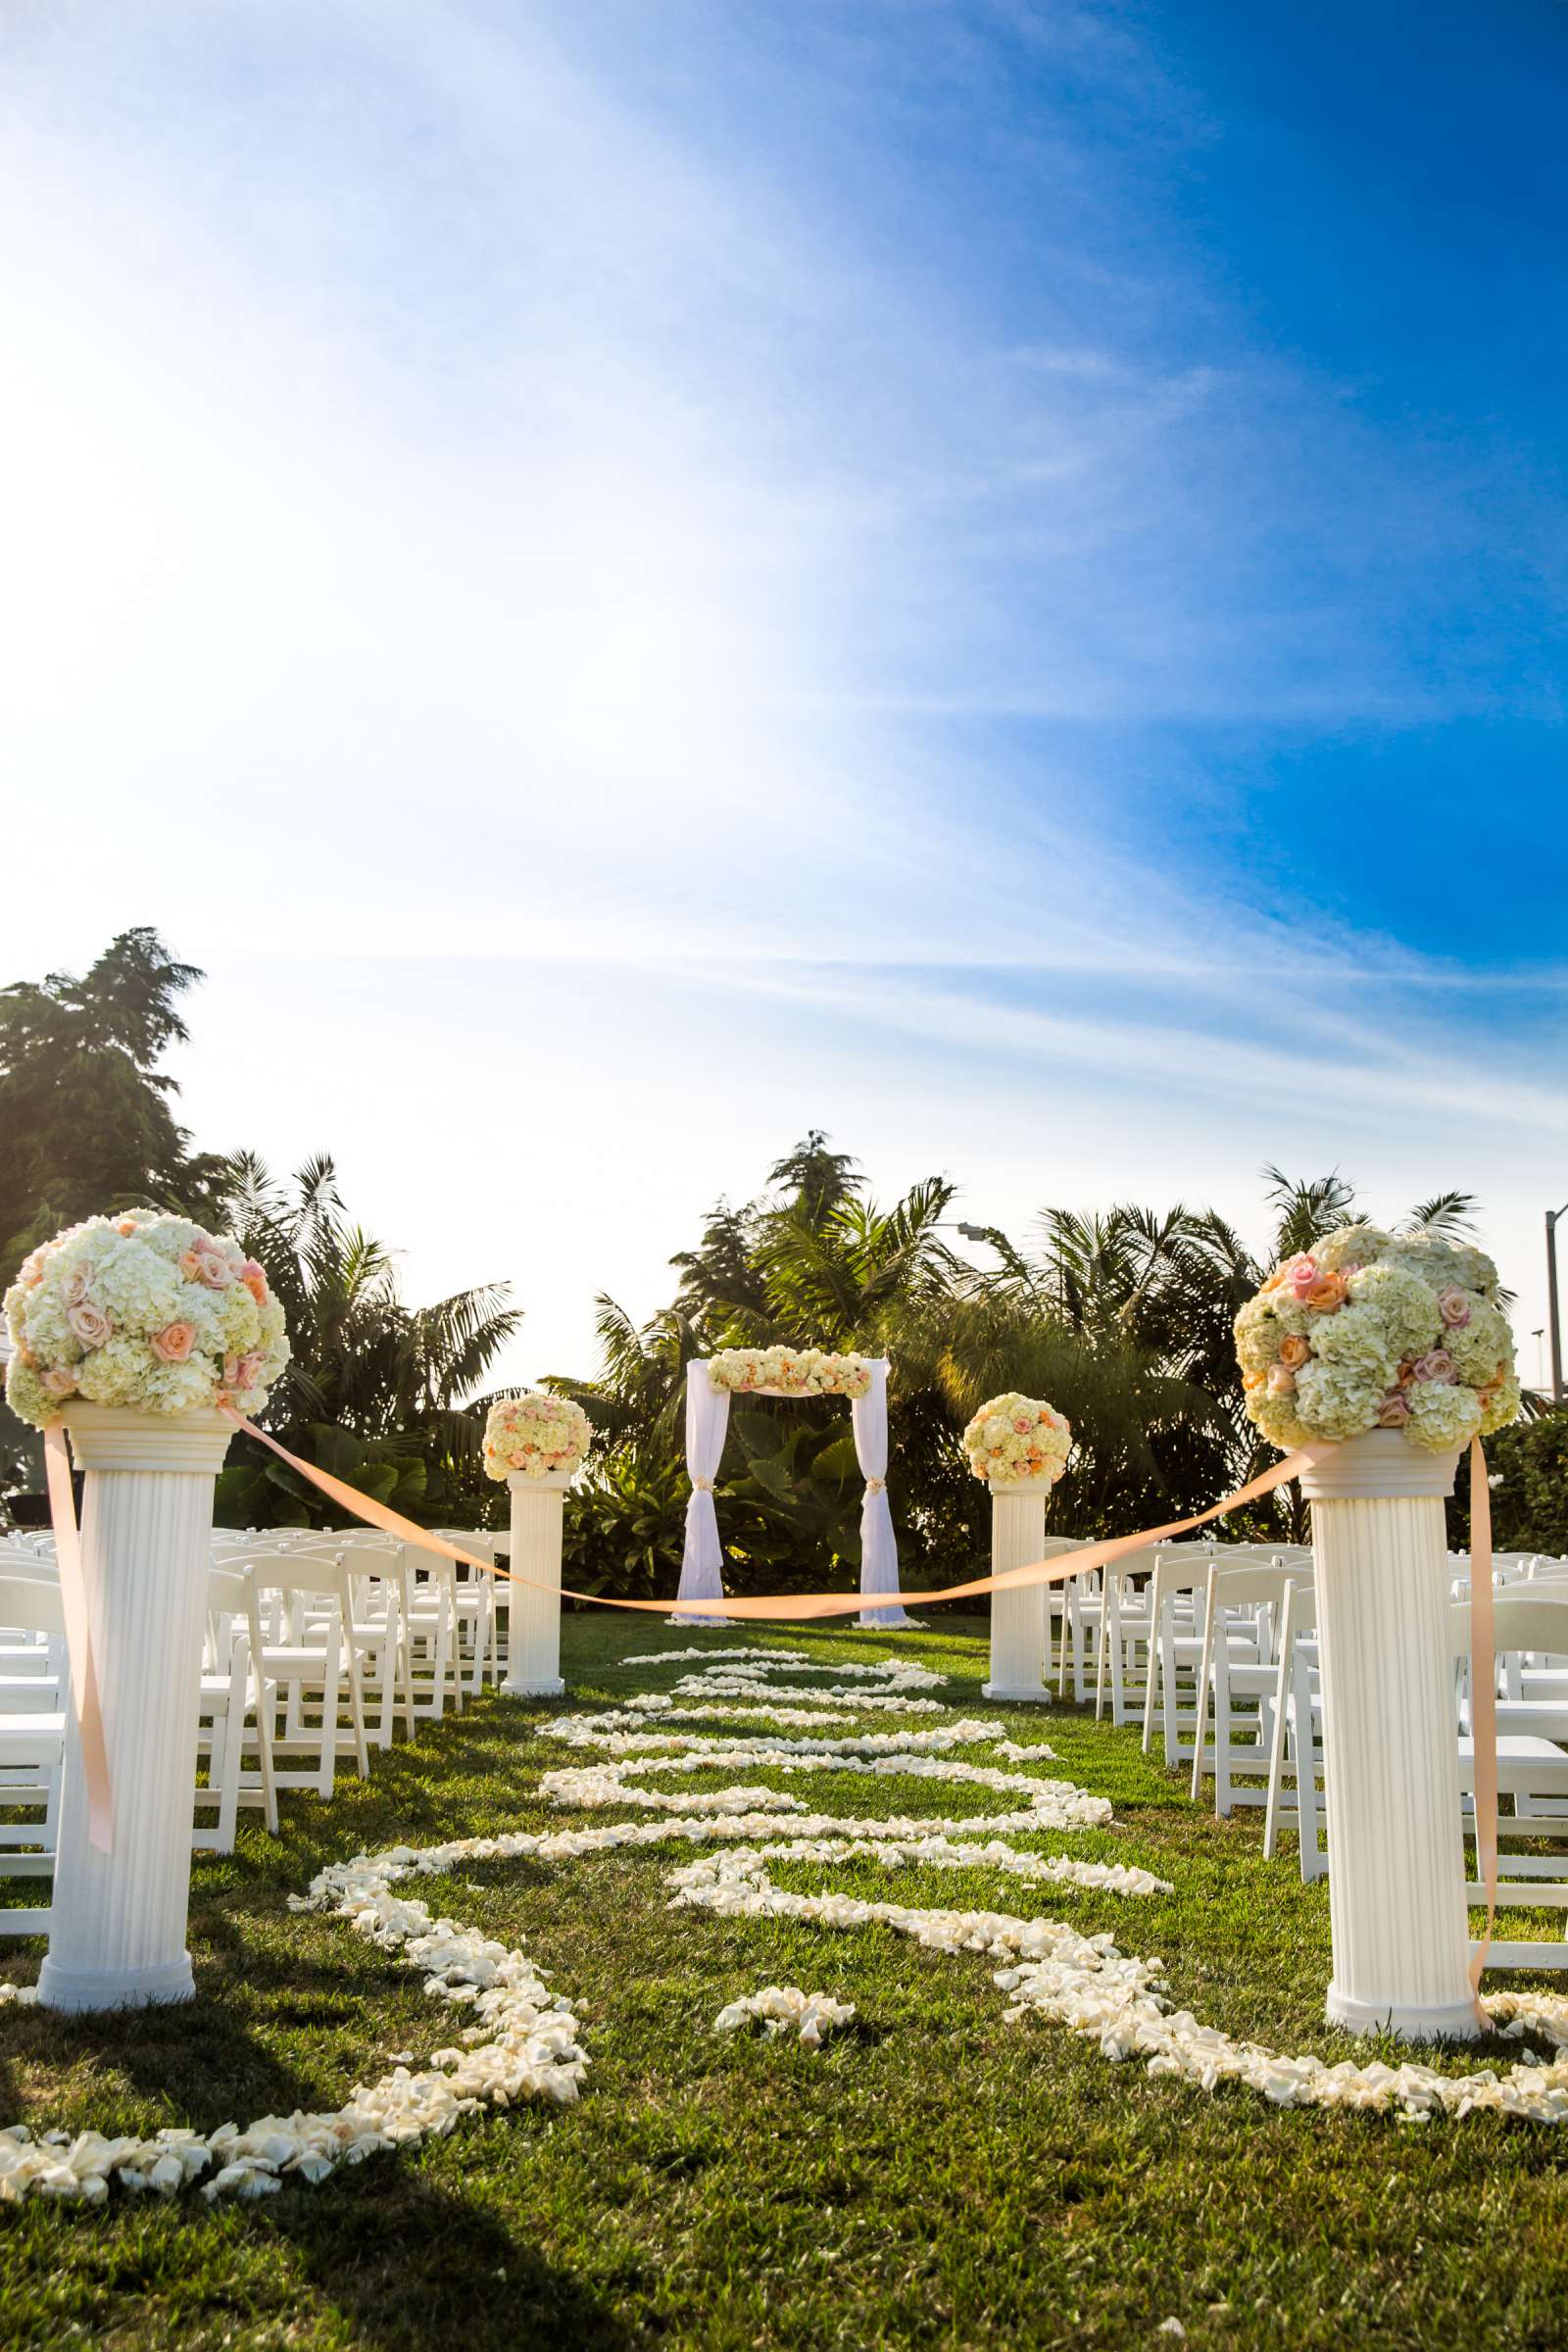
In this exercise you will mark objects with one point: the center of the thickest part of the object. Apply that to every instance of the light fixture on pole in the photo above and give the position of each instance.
(1552, 1215)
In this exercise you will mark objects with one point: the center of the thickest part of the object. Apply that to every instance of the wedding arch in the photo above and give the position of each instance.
(795, 1373)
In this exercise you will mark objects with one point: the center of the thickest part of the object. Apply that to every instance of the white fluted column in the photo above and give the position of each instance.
(117, 1934)
(533, 1604)
(1017, 1619)
(1397, 1874)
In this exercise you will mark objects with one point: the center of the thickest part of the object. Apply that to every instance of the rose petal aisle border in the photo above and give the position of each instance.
(524, 2049)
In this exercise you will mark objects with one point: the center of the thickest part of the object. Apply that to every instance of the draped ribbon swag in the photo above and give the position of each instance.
(799, 1607)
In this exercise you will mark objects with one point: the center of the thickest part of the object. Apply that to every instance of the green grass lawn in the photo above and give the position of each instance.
(932, 2177)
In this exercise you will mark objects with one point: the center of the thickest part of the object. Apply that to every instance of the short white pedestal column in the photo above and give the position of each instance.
(1017, 1619)
(533, 1604)
(1391, 1757)
(118, 1938)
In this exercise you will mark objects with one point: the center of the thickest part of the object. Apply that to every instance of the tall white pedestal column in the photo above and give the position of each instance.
(1397, 1875)
(533, 1615)
(117, 1934)
(1017, 1619)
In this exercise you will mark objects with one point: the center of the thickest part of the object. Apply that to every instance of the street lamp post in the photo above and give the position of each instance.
(1552, 1215)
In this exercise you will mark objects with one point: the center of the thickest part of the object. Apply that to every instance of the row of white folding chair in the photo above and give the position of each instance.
(1134, 1616)
(1532, 1762)
(32, 1739)
(1532, 1766)
(450, 1619)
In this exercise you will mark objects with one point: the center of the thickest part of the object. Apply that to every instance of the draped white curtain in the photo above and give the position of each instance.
(879, 1550)
(702, 1567)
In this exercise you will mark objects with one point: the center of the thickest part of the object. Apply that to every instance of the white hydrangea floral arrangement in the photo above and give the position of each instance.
(1371, 1330)
(1017, 1441)
(144, 1311)
(789, 1372)
(536, 1434)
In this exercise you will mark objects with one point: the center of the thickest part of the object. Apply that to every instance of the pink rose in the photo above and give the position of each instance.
(77, 1286)
(1301, 1273)
(89, 1323)
(1437, 1366)
(1022, 1425)
(173, 1344)
(212, 1268)
(1395, 1410)
(57, 1382)
(1282, 1381)
(1453, 1306)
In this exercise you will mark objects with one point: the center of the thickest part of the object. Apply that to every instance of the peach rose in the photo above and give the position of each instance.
(1453, 1306)
(241, 1371)
(89, 1323)
(1293, 1352)
(1325, 1293)
(77, 1286)
(57, 1382)
(1395, 1410)
(1282, 1381)
(1439, 1366)
(173, 1344)
(254, 1277)
(1251, 1380)
(126, 1227)
(212, 1268)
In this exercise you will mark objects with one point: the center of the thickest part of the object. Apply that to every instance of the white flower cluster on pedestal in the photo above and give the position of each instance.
(786, 2009)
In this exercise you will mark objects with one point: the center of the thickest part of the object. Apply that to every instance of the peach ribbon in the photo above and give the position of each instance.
(1483, 1706)
(78, 1640)
(795, 1607)
(799, 1608)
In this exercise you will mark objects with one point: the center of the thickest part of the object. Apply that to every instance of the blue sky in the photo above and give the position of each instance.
(628, 579)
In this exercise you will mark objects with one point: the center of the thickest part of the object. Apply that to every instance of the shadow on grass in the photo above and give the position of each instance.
(412, 2269)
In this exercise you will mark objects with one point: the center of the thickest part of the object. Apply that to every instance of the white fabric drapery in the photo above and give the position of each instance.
(702, 1567)
(879, 1549)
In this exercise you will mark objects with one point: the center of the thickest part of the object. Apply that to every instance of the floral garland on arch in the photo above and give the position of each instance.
(145, 1311)
(788, 1372)
(1018, 1440)
(536, 1434)
(1371, 1330)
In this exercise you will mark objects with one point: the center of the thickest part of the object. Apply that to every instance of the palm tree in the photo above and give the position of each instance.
(380, 1393)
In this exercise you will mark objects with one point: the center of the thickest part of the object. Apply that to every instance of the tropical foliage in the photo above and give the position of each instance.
(1122, 1317)
(376, 1391)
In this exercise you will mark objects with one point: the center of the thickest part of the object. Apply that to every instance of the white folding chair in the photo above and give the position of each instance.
(1296, 1755)
(234, 1693)
(1177, 1593)
(308, 1652)
(1237, 1673)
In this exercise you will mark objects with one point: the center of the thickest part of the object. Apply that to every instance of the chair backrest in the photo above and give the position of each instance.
(1522, 1618)
(31, 1604)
